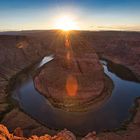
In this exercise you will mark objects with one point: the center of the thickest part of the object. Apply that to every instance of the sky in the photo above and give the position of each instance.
(88, 14)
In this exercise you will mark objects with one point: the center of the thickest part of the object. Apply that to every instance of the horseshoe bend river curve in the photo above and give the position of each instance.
(109, 116)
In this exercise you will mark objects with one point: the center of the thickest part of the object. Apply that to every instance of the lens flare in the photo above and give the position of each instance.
(66, 23)
(71, 85)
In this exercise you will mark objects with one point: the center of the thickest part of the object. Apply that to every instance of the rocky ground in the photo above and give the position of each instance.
(19, 52)
(16, 54)
(119, 47)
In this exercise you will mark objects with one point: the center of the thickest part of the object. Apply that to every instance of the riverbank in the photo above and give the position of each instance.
(18, 54)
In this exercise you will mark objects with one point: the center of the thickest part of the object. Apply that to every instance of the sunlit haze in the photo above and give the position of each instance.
(66, 23)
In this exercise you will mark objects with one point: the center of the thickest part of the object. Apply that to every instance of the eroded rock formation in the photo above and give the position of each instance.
(74, 78)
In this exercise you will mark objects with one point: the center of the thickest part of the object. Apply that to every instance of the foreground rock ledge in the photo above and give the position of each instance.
(18, 135)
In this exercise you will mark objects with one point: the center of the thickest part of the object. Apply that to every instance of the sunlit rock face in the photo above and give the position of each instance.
(74, 78)
(18, 135)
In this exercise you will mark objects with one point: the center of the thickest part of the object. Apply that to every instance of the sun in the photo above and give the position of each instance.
(66, 23)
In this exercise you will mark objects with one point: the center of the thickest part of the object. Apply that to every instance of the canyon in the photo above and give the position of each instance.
(75, 69)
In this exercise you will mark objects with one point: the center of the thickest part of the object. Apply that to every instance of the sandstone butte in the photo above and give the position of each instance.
(74, 78)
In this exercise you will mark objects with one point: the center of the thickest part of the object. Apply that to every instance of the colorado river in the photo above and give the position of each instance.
(110, 115)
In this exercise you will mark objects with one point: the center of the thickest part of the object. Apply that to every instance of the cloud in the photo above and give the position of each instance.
(119, 27)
